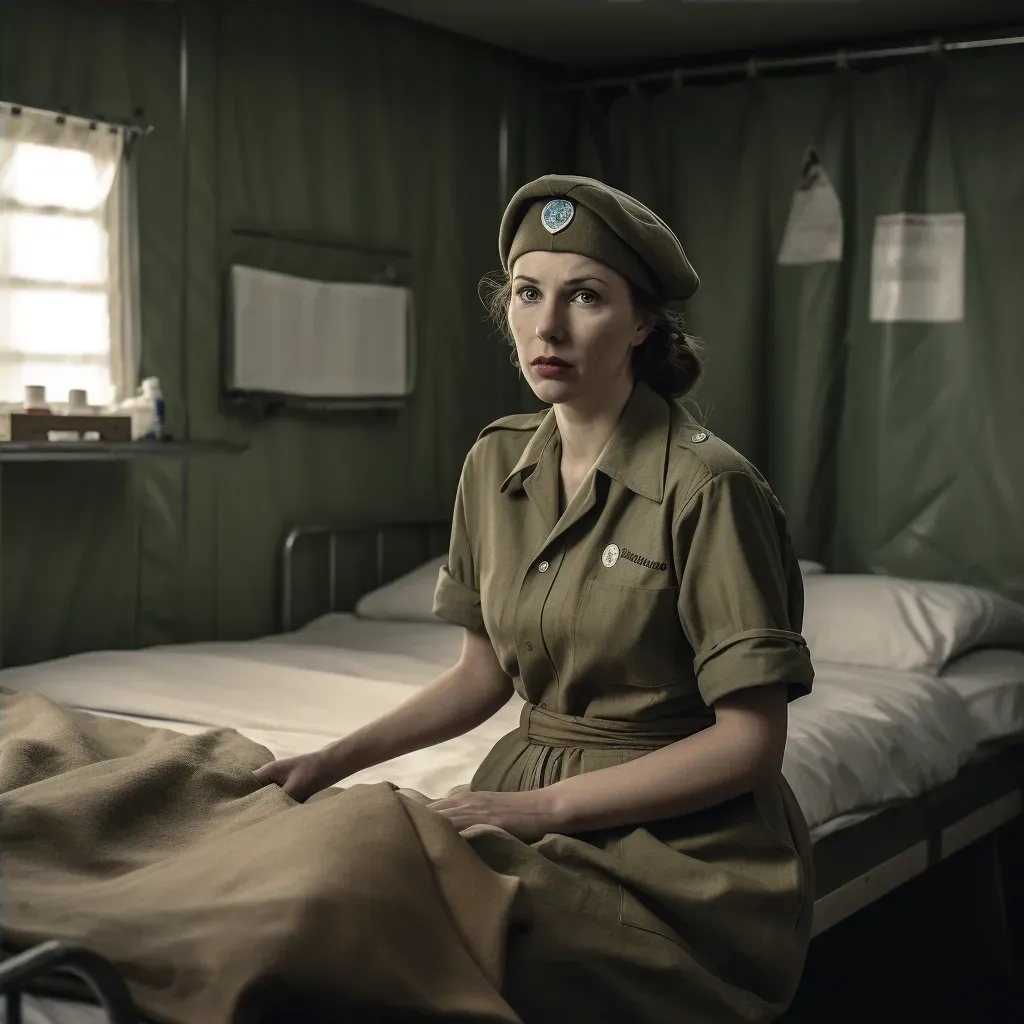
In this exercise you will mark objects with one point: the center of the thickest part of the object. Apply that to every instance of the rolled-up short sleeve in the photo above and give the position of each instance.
(457, 595)
(740, 608)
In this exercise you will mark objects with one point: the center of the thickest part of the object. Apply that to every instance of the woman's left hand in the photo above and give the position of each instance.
(527, 815)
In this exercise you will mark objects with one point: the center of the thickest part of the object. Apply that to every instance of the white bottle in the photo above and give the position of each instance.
(154, 400)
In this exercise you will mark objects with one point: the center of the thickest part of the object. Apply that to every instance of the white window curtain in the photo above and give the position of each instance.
(68, 259)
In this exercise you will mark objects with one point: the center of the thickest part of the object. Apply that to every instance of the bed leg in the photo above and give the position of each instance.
(12, 1007)
(992, 920)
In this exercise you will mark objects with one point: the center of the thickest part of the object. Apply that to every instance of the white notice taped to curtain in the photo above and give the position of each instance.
(814, 231)
(917, 268)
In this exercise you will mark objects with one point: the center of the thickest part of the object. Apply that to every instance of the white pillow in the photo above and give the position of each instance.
(410, 598)
(808, 568)
(912, 625)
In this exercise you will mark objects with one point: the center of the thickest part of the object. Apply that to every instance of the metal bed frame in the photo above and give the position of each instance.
(428, 528)
(855, 866)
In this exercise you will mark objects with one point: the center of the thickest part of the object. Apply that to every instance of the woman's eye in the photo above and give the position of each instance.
(530, 294)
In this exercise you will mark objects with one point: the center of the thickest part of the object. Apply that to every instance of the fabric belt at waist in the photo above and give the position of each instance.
(537, 725)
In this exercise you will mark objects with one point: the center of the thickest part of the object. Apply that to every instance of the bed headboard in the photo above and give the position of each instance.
(371, 555)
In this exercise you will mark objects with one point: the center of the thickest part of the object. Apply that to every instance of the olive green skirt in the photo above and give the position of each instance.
(702, 918)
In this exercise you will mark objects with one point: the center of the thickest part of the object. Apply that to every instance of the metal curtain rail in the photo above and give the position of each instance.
(839, 58)
(66, 115)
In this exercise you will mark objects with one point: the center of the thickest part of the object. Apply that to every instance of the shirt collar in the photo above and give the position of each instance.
(635, 455)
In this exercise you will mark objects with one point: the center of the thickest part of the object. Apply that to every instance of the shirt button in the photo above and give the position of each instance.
(544, 706)
(529, 646)
(543, 567)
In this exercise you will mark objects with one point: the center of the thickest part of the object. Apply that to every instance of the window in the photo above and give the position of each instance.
(64, 313)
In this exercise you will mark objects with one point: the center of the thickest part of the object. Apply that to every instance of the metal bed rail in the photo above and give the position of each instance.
(49, 958)
(429, 528)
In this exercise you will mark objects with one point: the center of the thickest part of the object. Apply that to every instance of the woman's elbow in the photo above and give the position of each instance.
(755, 722)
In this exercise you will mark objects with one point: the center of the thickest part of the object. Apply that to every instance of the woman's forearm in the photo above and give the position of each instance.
(451, 705)
(703, 770)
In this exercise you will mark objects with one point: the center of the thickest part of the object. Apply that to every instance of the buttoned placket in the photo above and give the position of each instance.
(533, 586)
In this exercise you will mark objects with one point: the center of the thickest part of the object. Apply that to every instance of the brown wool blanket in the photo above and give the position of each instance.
(215, 898)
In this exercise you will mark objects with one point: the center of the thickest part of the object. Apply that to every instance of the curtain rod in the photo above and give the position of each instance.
(840, 58)
(66, 115)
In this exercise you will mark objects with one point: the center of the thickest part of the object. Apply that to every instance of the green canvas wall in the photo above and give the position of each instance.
(895, 447)
(329, 122)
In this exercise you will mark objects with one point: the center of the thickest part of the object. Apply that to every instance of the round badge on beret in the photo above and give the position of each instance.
(557, 215)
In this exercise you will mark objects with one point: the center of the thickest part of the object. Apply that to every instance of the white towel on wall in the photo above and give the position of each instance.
(318, 339)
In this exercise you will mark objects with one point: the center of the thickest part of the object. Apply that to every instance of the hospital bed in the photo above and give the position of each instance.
(909, 749)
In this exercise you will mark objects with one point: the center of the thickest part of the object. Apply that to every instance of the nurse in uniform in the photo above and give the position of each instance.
(631, 578)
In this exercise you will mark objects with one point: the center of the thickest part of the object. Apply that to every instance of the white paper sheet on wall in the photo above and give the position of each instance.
(917, 268)
(814, 231)
(318, 339)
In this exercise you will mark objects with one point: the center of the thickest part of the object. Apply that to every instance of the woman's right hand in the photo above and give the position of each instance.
(303, 775)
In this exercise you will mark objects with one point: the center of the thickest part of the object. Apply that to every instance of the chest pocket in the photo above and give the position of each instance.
(629, 635)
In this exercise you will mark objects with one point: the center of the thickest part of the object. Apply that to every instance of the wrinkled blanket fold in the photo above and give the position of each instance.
(211, 894)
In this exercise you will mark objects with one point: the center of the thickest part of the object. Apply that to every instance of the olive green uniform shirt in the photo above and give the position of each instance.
(668, 582)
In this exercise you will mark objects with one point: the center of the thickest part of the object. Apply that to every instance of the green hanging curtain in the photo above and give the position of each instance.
(874, 385)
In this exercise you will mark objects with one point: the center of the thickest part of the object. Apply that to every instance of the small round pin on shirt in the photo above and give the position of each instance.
(610, 555)
(698, 437)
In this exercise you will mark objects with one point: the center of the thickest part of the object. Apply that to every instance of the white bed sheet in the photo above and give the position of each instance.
(991, 683)
(862, 740)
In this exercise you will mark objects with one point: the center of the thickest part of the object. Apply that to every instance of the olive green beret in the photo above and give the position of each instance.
(567, 213)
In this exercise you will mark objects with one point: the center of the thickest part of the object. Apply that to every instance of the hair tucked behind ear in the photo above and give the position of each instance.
(668, 360)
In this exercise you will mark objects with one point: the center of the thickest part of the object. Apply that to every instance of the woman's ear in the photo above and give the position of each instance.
(643, 328)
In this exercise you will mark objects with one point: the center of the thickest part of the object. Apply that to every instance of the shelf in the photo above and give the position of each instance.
(105, 451)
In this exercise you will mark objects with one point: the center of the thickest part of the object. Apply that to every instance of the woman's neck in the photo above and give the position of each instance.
(585, 431)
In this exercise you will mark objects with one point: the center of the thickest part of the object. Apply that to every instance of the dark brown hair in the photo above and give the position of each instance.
(668, 360)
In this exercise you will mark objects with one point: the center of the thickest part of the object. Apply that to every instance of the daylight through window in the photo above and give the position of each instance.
(60, 227)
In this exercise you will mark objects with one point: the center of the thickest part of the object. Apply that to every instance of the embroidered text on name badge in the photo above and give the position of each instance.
(647, 563)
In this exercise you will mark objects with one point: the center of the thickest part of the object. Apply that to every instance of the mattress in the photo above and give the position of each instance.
(864, 739)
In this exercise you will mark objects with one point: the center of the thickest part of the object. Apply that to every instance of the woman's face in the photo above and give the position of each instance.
(578, 313)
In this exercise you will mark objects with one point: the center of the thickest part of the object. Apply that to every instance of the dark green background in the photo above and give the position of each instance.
(894, 448)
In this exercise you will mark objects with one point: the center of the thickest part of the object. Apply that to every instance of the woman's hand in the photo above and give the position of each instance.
(302, 776)
(527, 815)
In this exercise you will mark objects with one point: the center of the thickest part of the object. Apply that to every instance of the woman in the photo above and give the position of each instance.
(630, 577)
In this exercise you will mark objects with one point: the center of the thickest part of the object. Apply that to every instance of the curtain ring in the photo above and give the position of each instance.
(842, 60)
(937, 48)
(751, 66)
(677, 79)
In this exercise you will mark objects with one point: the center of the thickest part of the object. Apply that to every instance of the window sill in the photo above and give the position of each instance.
(105, 451)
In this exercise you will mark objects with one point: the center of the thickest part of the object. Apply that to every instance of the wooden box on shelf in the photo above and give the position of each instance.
(36, 428)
